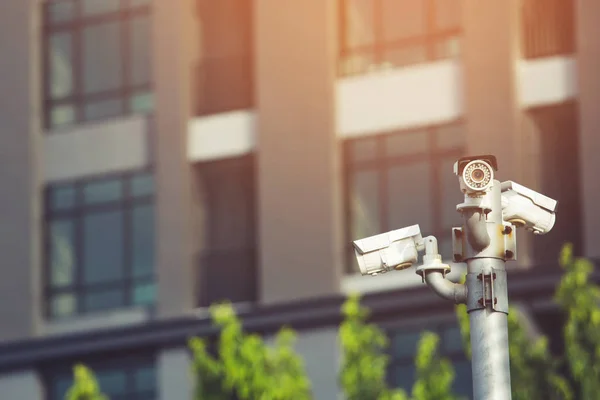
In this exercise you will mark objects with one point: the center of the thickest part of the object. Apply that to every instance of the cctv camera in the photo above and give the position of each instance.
(476, 174)
(526, 208)
(387, 251)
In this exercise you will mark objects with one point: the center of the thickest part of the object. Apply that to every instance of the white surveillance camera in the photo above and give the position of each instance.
(388, 251)
(475, 174)
(527, 208)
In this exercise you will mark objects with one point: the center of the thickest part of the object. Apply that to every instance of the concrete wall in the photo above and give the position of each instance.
(298, 167)
(19, 385)
(174, 377)
(588, 62)
(20, 192)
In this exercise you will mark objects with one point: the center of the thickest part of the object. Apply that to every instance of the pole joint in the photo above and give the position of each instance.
(487, 289)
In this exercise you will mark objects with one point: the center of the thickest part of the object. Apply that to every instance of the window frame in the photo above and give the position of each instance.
(432, 36)
(78, 99)
(127, 203)
(381, 163)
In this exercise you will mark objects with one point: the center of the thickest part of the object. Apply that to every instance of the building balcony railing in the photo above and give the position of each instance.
(548, 28)
(227, 275)
(223, 84)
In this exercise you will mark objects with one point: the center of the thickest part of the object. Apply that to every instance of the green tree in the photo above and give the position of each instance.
(85, 386)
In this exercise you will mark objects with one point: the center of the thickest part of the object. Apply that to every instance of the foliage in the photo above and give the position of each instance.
(580, 300)
(247, 366)
(364, 362)
(85, 386)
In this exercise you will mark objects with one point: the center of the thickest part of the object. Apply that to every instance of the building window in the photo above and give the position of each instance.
(121, 379)
(97, 60)
(100, 244)
(228, 260)
(382, 33)
(224, 72)
(548, 28)
(399, 179)
(403, 349)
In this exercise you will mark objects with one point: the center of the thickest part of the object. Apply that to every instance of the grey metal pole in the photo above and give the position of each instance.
(487, 297)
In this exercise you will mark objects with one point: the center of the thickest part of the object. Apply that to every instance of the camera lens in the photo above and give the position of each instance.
(477, 175)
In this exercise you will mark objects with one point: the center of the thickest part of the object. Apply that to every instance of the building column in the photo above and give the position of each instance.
(20, 140)
(588, 65)
(298, 166)
(21, 385)
(173, 41)
(494, 121)
(174, 375)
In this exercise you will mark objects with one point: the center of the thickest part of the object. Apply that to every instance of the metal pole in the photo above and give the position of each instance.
(487, 298)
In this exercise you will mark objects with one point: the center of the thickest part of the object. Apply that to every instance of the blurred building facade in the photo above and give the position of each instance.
(158, 156)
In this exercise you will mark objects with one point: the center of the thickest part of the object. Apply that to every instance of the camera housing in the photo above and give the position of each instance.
(476, 173)
(394, 250)
(524, 207)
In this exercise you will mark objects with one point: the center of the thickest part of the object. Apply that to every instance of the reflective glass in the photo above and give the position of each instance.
(95, 7)
(402, 19)
(140, 50)
(103, 109)
(360, 23)
(363, 149)
(364, 203)
(145, 378)
(103, 246)
(144, 294)
(142, 184)
(406, 143)
(61, 386)
(405, 344)
(61, 65)
(62, 197)
(62, 115)
(60, 11)
(143, 240)
(410, 197)
(63, 305)
(452, 339)
(112, 382)
(102, 301)
(102, 191)
(405, 376)
(142, 102)
(62, 252)
(102, 63)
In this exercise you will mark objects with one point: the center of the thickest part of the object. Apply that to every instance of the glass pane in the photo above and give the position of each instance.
(94, 7)
(103, 246)
(363, 149)
(404, 377)
(364, 203)
(401, 57)
(62, 197)
(447, 48)
(63, 305)
(142, 185)
(406, 143)
(102, 64)
(143, 240)
(142, 102)
(447, 14)
(405, 344)
(62, 252)
(410, 197)
(61, 386)
(112, 382)
(451, 195)
(102, 191)
(452, 340)
(144, 294)
(360, 20)
(61, 65)
(451, 136)
(62, 115)
(140, 50)
(403, 19)
(103, 109)
(145, 379)
(105, 300)
(60, 11)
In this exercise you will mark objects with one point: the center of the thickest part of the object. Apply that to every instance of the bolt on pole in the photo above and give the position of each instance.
(491, 211)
